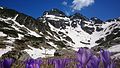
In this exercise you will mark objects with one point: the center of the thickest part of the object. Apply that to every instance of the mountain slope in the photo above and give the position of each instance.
(54, 32)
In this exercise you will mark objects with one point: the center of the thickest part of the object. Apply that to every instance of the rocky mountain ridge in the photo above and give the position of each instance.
(54, 32)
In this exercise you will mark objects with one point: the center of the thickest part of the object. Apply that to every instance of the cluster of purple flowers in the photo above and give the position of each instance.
(33, 63)
(85, 58)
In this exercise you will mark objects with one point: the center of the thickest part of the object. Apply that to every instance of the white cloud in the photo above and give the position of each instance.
(79, 4)
(64, 3)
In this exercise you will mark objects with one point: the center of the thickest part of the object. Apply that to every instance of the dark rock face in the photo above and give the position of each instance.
(5, 13)
(88, 27)
(23, 19)
(59, 23)
(76, 19)
(112, 20)
(78, 16)
(96, 20)
(98, 23)
(55, 12)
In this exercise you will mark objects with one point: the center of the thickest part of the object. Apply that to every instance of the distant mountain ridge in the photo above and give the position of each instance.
(54, 32)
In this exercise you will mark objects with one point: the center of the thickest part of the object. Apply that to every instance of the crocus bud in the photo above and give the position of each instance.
(105, 57)
(6, 63)
(33, 63)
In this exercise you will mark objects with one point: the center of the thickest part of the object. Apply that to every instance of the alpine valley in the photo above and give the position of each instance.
(55, 34)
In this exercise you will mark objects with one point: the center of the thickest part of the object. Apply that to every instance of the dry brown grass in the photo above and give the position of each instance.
(72, 64)
(21, 64)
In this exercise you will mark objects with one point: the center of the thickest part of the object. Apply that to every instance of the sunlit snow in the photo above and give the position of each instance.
(36, 52)
(3, 51)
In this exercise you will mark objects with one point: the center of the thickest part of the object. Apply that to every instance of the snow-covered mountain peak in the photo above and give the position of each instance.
(55, 12)
(54, 31)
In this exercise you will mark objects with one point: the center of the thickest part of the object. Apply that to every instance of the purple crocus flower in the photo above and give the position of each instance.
(6, 63)
(33, 63)
(59, 63)
(94, 62)
(83, 57)
(105, 56)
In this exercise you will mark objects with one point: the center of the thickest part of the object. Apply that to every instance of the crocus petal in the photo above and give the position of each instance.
(38, 62)
(94, 62)
(105, 55)
(7, 62)
(83, 56)
(33, 63)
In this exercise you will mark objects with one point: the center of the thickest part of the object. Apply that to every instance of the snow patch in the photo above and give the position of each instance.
(3, 51)
(115, 48)
(95, 36)
(116, 56)
(20, 36)
(52, 44)
(2, 34)
(33, 33)
(36, 52)
(1, 8)
(56, 18)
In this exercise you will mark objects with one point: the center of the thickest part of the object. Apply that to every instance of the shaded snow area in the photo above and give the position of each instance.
(115, 48)
(36, 52)
(95, 36)
(116, 56)
(3, 51)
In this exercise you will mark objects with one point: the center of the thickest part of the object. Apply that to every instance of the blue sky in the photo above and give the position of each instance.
(103, 9)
